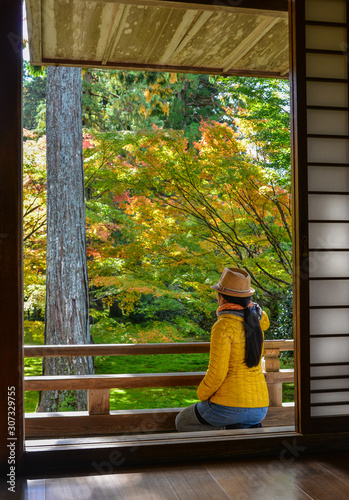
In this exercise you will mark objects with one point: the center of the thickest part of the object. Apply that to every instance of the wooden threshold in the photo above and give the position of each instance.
(69, 424)
(115, 454)
(96, 441)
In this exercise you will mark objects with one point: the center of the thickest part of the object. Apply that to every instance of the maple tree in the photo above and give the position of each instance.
(34, 223)
(166, 213)
(185, 204)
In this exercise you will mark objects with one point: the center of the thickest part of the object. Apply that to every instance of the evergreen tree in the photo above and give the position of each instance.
(34, 97)
(262, 109)
(67, 303)
(195, 98)
(116, 100)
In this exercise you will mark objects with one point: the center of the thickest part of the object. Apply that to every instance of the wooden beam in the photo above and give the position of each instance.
(135, 349)
(127, 381)
(145, 438)
(115, 33)
(272, 364)
(115, 349)
(160, 68)
(123, 381)
(34, 22)
(11, 298)
(98, 401)
(259, 7)
(285, 70)
(153, 41)
(283, 376)
(299, 182)
(249, 42)
(282, 345)
(192, 22)
(187, 20)
(66, 424)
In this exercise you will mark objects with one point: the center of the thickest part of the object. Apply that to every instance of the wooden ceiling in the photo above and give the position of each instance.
(236, 37)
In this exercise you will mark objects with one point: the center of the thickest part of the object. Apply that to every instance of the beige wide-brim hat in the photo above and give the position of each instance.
(235, 282)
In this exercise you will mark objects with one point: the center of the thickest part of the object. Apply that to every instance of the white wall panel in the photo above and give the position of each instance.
(330, 397)
(329, 384)
(326, 37)
(329, 235)
(325, 236)
(328, 293)
(325, 10)
(329, 411)
(326, 66)
(327, 94)
(329, 322)
(327, 122)
(328, 264)
(330, 350)
(328, 207)
(329, 179)
(328, 150)
(329, 371)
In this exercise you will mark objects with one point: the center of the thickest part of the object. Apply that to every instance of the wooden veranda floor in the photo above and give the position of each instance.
(292, 475)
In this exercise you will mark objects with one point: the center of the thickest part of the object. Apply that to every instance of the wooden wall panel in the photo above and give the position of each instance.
(320, 89)
(11, 233)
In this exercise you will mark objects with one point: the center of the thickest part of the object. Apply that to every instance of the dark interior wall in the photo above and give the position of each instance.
(11, 323)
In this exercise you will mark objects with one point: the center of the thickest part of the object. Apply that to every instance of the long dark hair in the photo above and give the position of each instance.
(253, 331)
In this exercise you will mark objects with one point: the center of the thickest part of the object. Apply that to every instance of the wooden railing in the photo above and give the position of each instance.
(100, 419)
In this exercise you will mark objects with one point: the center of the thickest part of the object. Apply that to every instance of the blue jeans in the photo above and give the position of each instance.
(219, 415)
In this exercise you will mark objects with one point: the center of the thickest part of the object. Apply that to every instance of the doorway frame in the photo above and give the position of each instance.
(115, 456)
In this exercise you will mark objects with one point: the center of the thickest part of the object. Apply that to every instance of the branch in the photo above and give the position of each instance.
(34, 230)
(274, 278)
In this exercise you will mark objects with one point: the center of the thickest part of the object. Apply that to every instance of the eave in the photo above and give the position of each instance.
(161, 35)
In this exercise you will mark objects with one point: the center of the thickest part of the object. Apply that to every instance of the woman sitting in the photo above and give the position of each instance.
(233, 393)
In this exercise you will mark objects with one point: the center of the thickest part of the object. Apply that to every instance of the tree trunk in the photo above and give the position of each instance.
(67, 314)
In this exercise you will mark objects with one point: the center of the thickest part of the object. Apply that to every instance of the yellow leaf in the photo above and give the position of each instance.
(173, 77)
(166, 109)
(147, 95)
(143, 111)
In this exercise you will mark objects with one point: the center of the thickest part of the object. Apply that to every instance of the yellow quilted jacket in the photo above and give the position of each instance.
(228, 380)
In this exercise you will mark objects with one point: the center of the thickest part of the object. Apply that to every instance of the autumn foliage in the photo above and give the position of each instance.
(184, 213)
(166, 214)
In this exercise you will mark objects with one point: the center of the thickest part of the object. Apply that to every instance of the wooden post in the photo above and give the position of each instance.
(11, 334)
(98, 401)
(272, 364)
